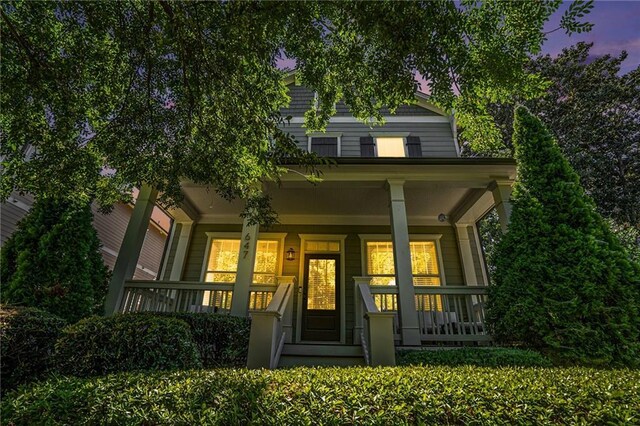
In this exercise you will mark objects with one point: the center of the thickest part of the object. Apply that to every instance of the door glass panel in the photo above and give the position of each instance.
(321, 292)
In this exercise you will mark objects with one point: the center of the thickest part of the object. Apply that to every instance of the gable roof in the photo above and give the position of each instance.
(421, 99)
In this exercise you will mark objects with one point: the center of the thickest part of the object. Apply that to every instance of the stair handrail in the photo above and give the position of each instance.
(268, 334)
(375, 327)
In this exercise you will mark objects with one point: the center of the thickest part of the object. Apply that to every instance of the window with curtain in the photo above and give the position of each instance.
(424, 263)
(223, 261)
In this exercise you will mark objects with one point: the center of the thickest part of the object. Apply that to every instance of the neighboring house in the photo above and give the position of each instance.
(111, 229)
(383, 253)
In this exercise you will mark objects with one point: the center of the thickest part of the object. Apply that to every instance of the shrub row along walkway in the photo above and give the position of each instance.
(401, 395)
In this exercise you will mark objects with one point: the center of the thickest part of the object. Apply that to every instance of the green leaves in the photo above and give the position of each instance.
(562, 283)
(402, 395)
(163, 92)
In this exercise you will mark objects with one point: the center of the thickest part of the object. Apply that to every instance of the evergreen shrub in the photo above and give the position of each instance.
(222, 340)
(481, 357)
(563, 283)
(53, 262)
(336, 396)
(128, 342)
(27, 339)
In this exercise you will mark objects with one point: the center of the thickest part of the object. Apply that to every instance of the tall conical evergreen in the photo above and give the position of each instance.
(563, 283)
(53, 261)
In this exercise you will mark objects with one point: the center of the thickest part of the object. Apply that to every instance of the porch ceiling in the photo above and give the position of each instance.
(356, 194)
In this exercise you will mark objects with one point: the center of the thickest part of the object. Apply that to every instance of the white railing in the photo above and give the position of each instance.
(452, 313)
(271, 328)
(374, 328)
(188, 296)
(445, 313)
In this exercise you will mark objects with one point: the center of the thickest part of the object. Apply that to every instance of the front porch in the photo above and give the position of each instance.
(371, 258)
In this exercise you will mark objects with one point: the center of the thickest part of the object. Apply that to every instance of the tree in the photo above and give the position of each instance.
(53, 261)
(594, 112)
(563, 283)
(119, 93)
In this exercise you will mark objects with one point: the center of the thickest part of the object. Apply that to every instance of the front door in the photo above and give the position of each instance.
(321, 298)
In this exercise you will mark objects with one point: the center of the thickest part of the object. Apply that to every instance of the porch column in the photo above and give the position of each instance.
(181, 251)
(501, 191)
(244, 276)
(402, 260)
(131, 245)
(466, 255)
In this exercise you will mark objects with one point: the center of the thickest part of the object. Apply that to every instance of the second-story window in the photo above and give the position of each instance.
(324, 146)
(390, 147)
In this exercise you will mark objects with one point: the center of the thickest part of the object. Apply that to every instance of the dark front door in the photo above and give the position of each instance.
(321, 297)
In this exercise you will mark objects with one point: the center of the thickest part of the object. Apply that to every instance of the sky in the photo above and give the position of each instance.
(616, 28)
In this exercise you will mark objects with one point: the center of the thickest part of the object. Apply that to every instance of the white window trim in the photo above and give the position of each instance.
(403, 135)
(279, 236)
(343, 310)
(337, 135)
(364, 238)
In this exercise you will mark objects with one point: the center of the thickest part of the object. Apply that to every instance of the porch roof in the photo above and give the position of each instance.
(353, 190)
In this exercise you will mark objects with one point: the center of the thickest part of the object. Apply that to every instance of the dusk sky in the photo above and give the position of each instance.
(616, 28)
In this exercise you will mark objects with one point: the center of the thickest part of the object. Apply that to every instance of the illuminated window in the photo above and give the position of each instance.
(424, 263)
(223, 261)
(390, 147)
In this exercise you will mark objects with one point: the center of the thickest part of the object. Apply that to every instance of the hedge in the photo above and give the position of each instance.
(27, 339)
(400, 395)
(222, 340)
(102, 345)
(481, 357)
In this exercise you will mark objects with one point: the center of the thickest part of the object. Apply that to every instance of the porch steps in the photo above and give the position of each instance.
(294, 355)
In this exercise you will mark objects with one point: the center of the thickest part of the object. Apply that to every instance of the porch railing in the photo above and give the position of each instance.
(188, 296)
(445, 313)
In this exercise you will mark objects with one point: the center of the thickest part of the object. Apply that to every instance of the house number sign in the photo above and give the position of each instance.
(247, 240)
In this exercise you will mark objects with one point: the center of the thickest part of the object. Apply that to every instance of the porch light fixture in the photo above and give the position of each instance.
(291, 254)
(442, 217)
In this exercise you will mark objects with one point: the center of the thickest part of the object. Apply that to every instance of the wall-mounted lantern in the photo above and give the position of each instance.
(291, 254)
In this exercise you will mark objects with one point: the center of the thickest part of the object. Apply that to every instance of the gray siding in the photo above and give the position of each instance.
(353, 262)
(11, 214)
(436, 138)
(110, 229)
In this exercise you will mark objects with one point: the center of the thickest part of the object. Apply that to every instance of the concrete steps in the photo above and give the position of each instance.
(294, 355)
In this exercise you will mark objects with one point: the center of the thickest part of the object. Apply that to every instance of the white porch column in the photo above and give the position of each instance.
(244, 276)
(177, 267)
(131, 245)
(466, 255)
(501, 191)
(402, 260)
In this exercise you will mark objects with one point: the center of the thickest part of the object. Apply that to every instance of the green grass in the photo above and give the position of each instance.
(398, 395)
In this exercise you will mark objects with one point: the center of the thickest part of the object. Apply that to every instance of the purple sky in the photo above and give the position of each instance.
(616, 28)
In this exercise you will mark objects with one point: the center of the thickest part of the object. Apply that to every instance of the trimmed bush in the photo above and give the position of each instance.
(394, 396)
(563, 283)
(481, 357)
(129, 342)
(53, 261)
(27, 339)
(222, 340)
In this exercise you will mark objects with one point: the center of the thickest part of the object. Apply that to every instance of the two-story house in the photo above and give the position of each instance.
(384, 252)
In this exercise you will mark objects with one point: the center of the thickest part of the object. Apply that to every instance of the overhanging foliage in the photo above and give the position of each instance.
(115, 94)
